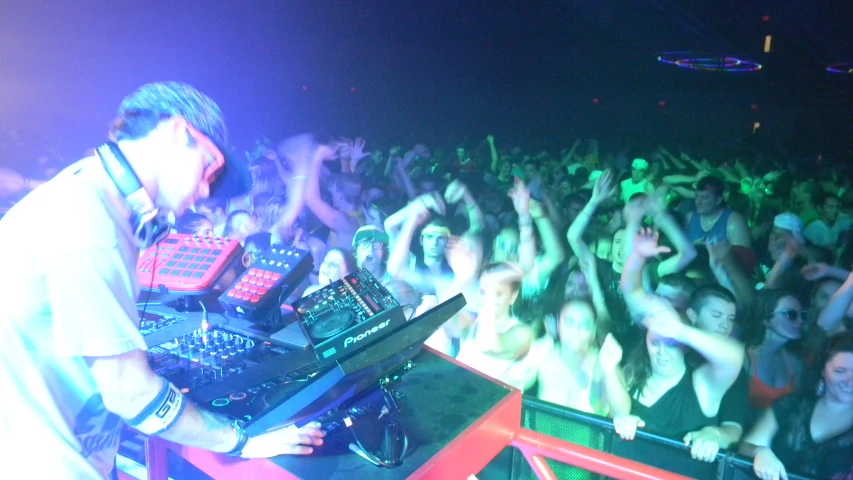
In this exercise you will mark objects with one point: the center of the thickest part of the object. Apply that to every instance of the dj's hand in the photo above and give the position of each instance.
(284, 441)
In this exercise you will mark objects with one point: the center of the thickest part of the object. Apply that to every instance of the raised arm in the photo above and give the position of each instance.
(520, 196)
(724, 356)
(331, 217)
(631, 282)
(553, 253)
(602, 191)
(493, 152)
(458, 191)
(685, 252)
(609, 357)
(832, 316)
(728, 273)
(396, 220)
(299, 151)
(738, 231)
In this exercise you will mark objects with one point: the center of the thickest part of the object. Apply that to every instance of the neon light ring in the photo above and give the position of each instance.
(708, 62)
(840, 67)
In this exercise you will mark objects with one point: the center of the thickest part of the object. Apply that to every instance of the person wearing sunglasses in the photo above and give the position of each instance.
(73, 363)
(777, 319)
(810, 433)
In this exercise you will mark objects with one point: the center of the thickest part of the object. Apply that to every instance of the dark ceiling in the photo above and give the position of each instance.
(469, 66)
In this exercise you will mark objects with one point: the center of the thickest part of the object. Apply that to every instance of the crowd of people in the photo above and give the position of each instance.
(704, 299)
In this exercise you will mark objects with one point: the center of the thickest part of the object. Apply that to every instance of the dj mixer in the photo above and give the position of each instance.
(347, 314)
(258, 292)
(186, 263)
(213, 363)
(151, 323)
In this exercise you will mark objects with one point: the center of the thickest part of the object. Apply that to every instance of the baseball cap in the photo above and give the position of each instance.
(640, 164)
(369, 232)
(200, 111)
(792, 223)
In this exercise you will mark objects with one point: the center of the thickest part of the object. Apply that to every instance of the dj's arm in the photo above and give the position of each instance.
(130, 389)
(154, 406)
(92, 305)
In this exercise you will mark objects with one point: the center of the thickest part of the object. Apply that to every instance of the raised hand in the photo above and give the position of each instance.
(718, 250)
(610, 354)
(536, 209)
(463, 256)
(635, 210)
(418, 214)
(421, 151)
(455, 191)
(298, 151)
(431, 201)
(656, 202)
(604, 188)
(520, 196)
(356, 151)
(646, 243)
(284, 441)
(815, 271)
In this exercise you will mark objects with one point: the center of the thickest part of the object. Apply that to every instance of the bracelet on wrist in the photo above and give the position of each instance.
(242, 439)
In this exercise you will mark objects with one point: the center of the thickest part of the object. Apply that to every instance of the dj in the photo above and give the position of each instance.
(72, 361)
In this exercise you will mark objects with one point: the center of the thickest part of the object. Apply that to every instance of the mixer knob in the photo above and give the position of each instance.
(250, 343)
(232, 350)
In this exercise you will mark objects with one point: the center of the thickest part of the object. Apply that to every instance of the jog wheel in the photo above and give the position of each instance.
(332, 325)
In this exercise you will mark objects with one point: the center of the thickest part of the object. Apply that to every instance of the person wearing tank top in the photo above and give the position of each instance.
(778, 319)
(497, 344)
(657, 389)
(712, 220)
(569, 373)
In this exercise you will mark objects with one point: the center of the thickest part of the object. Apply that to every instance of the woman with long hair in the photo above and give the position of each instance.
(569, 374)
(659, 388)
(810, 432)
(337, 264)
(777, 319)
(497, 340)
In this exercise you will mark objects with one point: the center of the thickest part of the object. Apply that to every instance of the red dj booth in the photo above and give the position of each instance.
(458, 421)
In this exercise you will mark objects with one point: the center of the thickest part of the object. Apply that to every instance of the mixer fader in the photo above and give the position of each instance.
(207, 362)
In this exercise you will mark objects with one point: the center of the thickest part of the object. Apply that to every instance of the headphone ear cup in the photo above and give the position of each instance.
(148, 225)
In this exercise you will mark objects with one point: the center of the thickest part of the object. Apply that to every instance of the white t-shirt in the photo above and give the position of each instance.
(629, 188)
(68, 291)
(820, 234)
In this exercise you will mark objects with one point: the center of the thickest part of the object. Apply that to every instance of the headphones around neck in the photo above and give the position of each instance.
(148, 225)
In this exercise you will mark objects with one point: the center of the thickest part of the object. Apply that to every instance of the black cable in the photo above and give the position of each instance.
(150, 285)
(374, 458)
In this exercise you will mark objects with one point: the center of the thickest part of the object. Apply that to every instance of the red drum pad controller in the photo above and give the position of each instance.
(347, 315)
(186, 263)
(257, 293)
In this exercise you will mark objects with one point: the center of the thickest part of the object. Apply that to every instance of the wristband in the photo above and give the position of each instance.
(298, 177)
(242, 439)
(161, 413)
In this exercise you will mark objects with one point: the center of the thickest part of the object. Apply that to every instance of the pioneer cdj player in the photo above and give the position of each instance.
(348, 314)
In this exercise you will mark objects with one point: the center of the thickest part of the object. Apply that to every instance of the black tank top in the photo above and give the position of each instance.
(676, 413)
